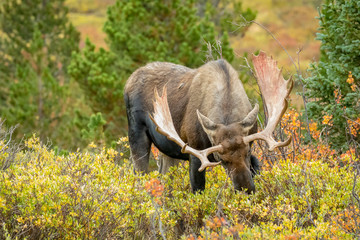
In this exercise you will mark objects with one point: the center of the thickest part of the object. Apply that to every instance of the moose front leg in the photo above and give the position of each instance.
(197, 179)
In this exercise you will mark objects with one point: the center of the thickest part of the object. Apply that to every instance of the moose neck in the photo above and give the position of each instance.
(219, 94)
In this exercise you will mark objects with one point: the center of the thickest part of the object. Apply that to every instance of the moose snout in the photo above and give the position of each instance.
(243, 181)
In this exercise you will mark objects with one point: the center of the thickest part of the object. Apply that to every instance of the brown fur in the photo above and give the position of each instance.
(188, 90)
(215, 90)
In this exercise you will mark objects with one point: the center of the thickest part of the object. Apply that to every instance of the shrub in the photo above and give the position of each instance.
(8, 148)
(89, 195)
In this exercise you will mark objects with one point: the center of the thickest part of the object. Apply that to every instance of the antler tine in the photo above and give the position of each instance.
(275, 91)
(164, 125)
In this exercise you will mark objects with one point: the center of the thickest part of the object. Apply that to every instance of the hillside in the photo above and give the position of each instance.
(293, 23)
(89, 17)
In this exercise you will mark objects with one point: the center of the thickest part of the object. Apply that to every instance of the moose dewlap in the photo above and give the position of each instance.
(204, 116)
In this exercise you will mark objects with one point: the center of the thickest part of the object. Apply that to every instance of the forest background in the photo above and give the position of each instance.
(83, 104)
(64, 155)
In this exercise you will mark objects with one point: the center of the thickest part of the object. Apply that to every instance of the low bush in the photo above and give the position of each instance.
(95, 195)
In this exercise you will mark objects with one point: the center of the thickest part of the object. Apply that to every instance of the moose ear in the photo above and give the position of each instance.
(248, 122)
(208, 125)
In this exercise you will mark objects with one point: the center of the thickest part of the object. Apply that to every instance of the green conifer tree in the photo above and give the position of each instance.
(330, 90)
(36, 42)
(139, 32)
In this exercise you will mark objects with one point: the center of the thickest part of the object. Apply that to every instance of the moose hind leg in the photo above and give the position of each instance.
(166, 162)
(140, 146)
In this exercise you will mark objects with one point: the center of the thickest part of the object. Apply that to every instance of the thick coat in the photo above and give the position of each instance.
(216, 92)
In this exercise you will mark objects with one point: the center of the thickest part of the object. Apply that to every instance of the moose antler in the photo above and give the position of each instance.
(275, 92)
(164, 125)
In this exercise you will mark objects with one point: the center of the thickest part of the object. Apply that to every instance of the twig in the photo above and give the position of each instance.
(222, 188)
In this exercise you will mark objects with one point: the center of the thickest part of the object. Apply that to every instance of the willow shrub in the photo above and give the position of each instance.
(95, 195)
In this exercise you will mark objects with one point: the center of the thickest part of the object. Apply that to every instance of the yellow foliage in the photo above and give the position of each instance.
(91, 195)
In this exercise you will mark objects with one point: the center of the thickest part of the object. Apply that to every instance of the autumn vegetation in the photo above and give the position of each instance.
(304, 192)
(65, 168)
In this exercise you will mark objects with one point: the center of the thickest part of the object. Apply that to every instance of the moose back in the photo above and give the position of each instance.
(203, 116)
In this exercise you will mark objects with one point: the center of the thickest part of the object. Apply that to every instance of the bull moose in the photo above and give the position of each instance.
(203, 116)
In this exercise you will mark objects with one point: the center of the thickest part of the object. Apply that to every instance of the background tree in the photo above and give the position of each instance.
(333, 92)
(36, 42)
(139, 32)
